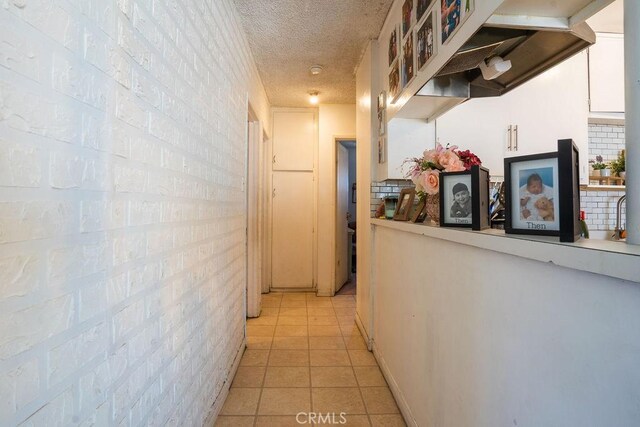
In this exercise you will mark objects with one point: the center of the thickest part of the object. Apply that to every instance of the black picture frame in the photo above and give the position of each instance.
(569, 182)
(474, 213)
(566, 190)
(405, 204)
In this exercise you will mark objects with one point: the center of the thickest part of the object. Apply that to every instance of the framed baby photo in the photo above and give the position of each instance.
(405, 204)
(464, 199)
(532, 194)
(453, 13)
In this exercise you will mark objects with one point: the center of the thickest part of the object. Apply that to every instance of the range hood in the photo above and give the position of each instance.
(531, 50)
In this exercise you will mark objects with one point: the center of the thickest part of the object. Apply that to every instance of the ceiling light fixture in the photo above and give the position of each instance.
(313, 97)
(315, 69)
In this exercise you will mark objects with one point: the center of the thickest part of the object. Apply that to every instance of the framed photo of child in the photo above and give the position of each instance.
(532, 194)
(542, 193)
(464, 198)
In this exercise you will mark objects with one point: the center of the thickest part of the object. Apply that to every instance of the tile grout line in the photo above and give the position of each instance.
(264, 376)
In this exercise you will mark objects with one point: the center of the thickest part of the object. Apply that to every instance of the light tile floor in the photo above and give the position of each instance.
(305, 354)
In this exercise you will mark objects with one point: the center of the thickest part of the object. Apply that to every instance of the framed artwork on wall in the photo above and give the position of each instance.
(408, 71)
(421, 8)
(425, 40)
(393, 45)
(407, 15)
(394, 81)
(452, 14)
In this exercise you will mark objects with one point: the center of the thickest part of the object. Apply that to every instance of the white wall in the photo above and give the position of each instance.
(492, 339)
(334, 121)
(122, 243)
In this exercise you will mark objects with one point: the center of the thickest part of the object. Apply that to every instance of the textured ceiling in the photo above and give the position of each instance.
(289, 36)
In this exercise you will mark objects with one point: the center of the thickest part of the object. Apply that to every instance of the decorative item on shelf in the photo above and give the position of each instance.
(419, 213)
(405, 204)
(597, 166)
(618, 166)
(390, 204)
(425, 173)
(464, 198)
(542, 193)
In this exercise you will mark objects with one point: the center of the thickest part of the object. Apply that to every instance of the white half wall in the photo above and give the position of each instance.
(334, 121)
(123, 209)
(473, 337)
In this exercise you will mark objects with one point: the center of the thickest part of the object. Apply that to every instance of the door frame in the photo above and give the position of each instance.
(255, 214)
(337, 139)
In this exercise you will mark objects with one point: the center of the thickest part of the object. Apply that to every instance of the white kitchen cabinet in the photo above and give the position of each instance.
(406, 138)
(528, 120)
(294, 140)
(606, 73)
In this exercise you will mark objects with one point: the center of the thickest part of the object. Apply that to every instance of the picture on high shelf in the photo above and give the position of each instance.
(394, 82)
(423, 5)
(425, 41)
(407, 10)
(393, 45)
(452, 14)
(407, 61)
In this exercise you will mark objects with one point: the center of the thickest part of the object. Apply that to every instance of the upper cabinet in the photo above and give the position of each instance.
(606, 74)
(528, 120)
(294, 137)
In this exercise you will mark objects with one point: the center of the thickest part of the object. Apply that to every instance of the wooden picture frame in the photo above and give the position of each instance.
(405, 204)
(419, 213)
(464, 199)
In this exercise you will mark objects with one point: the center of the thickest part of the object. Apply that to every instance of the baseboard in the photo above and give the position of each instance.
(395, 390)
(363, 331)
(217, 404)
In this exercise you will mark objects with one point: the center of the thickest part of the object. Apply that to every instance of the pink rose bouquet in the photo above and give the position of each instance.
(425, 171)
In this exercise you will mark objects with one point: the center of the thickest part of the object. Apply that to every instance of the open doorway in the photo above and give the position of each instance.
(345, 217)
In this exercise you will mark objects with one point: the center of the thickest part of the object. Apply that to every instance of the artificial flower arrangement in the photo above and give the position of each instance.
(425, 171)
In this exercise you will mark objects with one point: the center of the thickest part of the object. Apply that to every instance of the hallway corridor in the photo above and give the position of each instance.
(305, 355)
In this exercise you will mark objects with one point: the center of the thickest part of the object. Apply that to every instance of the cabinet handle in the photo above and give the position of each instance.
(509, 137)
(274, 158)
(515, 140)
(273, 196)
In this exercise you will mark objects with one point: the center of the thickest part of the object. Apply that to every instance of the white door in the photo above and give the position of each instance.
(292, 228)
(342, 208)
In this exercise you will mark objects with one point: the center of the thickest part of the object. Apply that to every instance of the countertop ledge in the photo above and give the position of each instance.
(615, 259)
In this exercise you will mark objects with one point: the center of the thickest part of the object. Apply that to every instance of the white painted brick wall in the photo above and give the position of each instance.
(606, 141)
(122, 213)
(600, 209)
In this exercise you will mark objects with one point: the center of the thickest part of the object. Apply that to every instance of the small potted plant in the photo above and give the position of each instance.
(618, 166)
(597, 166)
